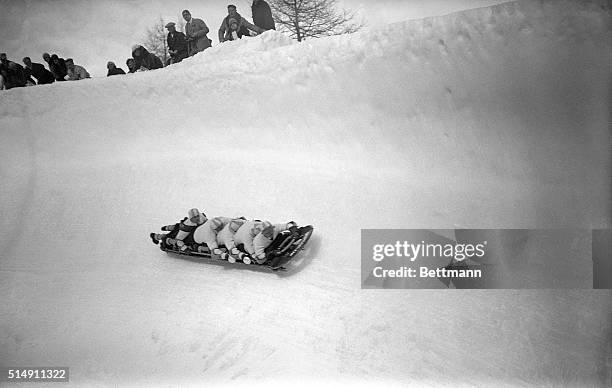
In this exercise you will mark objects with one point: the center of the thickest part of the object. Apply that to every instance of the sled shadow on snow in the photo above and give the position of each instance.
(303, 259)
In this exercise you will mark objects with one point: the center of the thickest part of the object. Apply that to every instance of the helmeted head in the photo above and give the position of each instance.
(186, 15)
(55, 59)
(3, 57)
(46, 57)
(256, 229)
(236, 223)
(27, 61)
(262, 225)
(196, 216)
(216, 224)
(268, 231)
(111, 65)
(131, 64)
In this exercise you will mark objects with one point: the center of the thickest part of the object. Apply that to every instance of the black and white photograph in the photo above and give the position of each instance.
(306, 193)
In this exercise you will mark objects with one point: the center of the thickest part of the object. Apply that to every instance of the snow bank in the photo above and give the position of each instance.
(496, 117)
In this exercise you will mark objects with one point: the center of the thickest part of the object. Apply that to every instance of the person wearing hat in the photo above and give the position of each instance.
(177, 44)
(207, 233)
(242, 26)
(181, 233)
(262, 15)
(267, 235)
(196, 32)
(113, 69)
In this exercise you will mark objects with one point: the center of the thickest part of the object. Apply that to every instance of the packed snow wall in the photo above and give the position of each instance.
(490, 118)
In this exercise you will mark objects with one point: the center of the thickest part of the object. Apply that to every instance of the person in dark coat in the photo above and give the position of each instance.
(12, 73)
(177, 44)
(113, 69)
(145, 59)
(57, 66)
(38, 71)
(262, 15)
(131, 65)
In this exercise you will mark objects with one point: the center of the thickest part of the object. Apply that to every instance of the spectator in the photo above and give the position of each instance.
(144, 59)
(113, 69)
(38, 71)
(196, 33)
(76, 72)
(4, 62)
(177, 44)
(12, 73)
(236, 32)
(131, 65)
(243, 24)
(262, 15)
(57, 66)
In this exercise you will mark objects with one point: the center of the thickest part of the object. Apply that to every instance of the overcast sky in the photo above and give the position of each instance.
(94, 32)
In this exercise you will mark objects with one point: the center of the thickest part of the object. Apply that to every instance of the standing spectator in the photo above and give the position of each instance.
(113, 69)
(243, 24)
(57, 66)
(177, 44)
(262, 15)
(76, 72)
(144, 59)
(38, 71)
(196, 33)
(12, 73)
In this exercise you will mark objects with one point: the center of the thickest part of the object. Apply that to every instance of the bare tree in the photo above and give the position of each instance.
(155, 40)
(304, 19)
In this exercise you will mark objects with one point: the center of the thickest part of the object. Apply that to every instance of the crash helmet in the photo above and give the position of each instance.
(268, 231)
(216, 223)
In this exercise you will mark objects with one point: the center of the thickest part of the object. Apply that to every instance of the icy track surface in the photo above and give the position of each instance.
(495, 117)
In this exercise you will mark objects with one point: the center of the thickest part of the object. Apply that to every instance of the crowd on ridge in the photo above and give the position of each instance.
(180, 46)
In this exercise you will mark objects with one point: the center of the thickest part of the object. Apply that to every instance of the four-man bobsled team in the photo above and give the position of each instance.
(238, 235)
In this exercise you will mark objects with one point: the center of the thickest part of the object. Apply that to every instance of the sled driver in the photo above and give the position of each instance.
(267, 235)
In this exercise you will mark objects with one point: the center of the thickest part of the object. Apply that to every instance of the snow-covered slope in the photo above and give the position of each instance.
(496, 117)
